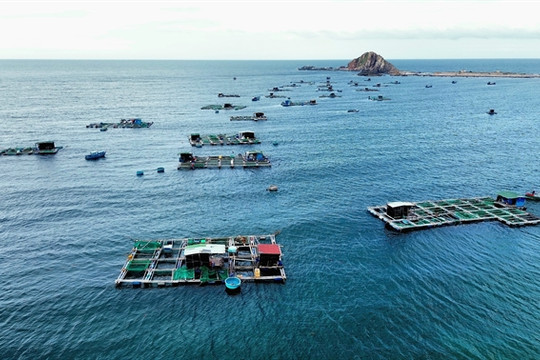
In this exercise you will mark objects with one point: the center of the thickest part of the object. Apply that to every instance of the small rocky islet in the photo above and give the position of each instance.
(373, 64)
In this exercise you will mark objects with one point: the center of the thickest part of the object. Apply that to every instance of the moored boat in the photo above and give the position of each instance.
(94, 155)
(532, 196)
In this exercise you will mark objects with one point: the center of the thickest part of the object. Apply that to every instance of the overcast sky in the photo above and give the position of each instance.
(269, 30)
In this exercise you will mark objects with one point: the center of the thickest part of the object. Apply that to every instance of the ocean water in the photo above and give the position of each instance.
(354, 290)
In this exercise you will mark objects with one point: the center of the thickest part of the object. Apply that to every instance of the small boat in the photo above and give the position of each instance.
(429, 86)
(272, 188)
(533, 196)
(232, 284)
(256, 98)
(491, 83)
(491, 112)
(94, 155)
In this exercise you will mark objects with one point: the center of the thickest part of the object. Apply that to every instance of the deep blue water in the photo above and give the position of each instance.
(354, 289)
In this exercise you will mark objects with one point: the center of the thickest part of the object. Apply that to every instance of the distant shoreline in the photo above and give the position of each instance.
(462, 73)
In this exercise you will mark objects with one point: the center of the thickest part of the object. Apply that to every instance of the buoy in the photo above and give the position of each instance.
(140, 173)
(272, 188)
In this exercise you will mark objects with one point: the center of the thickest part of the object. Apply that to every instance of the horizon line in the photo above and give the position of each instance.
(332, 59)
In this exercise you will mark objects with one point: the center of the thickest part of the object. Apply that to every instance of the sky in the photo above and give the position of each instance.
(269, 30)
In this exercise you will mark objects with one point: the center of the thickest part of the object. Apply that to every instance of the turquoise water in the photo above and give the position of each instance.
(354, 291)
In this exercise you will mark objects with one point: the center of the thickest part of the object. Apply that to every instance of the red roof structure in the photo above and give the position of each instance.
(269, 249)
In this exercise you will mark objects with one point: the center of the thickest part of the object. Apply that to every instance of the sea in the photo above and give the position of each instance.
(354, 289)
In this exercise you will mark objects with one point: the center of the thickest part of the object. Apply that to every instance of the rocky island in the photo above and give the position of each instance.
(372, 64)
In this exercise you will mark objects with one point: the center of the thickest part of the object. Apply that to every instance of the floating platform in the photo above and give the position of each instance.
(250, 159)
(378, 98)
(223, 107)
(123, 124)
(407, 216)
(173, 262)
(331, 95)
(17, 151)
(273, 96)
(255, 117)
(288, 103)
(242, 138)
(40, 148)
(367, 89)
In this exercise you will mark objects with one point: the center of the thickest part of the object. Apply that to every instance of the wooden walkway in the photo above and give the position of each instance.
(428, 214)
(173, 262)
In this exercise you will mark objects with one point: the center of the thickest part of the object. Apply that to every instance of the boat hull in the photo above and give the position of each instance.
(95, 155)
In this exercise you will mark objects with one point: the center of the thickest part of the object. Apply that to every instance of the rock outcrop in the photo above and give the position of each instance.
(370, 64)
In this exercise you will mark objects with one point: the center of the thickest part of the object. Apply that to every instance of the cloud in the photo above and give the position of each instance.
(422, 34)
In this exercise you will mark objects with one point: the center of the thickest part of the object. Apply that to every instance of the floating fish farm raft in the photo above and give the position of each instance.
(173, 262)
(288, 102)
(124, 123)
(407, 216)
(242, 138)
(40, 148)
(255, 117)
(378, 98)
(224, 107)
(251, 159)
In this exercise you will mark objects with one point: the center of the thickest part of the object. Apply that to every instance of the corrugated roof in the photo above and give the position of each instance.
(509, 194)
(271, 249)
(399, 203)
(204, 249)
